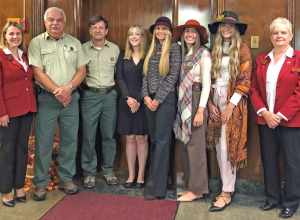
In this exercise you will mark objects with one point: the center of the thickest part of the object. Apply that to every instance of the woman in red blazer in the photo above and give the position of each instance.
(17, 103)
(275, 95)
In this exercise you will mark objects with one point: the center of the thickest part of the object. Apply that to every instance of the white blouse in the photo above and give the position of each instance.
(271, 80)
(223, 81)
(20, 61)
(201, 74)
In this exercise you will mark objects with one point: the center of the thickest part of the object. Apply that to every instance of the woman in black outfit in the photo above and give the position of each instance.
(161, 71)
(131, 120)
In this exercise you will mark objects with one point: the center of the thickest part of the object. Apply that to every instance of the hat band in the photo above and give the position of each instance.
(231, 19)
(162, 23)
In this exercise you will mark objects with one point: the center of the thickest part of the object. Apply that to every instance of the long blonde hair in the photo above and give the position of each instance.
(234, 55)
(164, 64)
(128, 47)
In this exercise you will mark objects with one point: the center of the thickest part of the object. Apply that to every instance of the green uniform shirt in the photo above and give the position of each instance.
(101, 66)
(59, 59)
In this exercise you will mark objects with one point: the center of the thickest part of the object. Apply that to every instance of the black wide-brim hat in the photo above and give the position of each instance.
(193, 24)
(228, 17)
(161, 21)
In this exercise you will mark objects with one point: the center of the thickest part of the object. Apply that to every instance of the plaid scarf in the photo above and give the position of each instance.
(183, 122)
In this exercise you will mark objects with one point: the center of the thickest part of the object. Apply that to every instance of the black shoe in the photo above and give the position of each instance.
(214, 208)
(69, 188)
(287, 212)
(268, 206)
(129, 185)
(149, 197)
(152, 197)
(39, 194)
(9, 203)
(21, 199)
(139, 185)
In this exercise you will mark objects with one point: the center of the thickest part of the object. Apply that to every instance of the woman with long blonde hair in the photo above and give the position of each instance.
(227, 126)
(131, 113)
(161, 70)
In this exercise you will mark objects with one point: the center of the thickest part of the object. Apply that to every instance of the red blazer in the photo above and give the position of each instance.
(17, 96)
(287, 100)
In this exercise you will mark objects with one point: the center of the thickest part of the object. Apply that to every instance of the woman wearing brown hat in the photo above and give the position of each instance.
(227, 126)
(190, 123)
(161, 69)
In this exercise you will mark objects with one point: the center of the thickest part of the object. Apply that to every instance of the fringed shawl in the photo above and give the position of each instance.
(236, 127)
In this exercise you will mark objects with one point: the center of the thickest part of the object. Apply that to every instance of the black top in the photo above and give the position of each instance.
(129, 77)
(129, 80)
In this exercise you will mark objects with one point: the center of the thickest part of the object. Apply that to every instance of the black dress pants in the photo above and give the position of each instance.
(160, 125)
(13, 152)
(285, 141)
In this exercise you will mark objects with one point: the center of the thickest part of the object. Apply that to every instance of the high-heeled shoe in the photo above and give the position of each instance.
(129, 185)
(139, 185)
(9, 203)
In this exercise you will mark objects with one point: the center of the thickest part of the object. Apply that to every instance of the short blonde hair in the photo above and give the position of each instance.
(281, 22)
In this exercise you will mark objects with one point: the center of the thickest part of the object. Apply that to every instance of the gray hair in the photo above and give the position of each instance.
(55, 9)
(283, 22)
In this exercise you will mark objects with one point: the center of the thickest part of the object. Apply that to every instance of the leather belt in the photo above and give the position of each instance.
(98, 90)
(40, 90)
(197, 86)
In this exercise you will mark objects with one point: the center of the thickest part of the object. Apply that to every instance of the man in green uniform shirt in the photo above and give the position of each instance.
(98, 103)
(59, 67)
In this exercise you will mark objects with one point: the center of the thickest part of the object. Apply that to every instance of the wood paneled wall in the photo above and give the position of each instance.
(16, 9)
(122, 14)
(73, 10)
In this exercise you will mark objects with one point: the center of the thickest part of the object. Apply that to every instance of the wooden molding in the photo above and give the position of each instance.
(216, 7)
(175, 12)
(221, 6)
(37, 24)
(291, 16)
(77, 17)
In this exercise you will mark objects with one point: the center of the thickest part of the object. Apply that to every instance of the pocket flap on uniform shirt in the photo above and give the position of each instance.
(47, 50)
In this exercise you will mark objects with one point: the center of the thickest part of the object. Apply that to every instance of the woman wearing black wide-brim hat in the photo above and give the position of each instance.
(227, 125)
(161, 70)
(228, 17)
